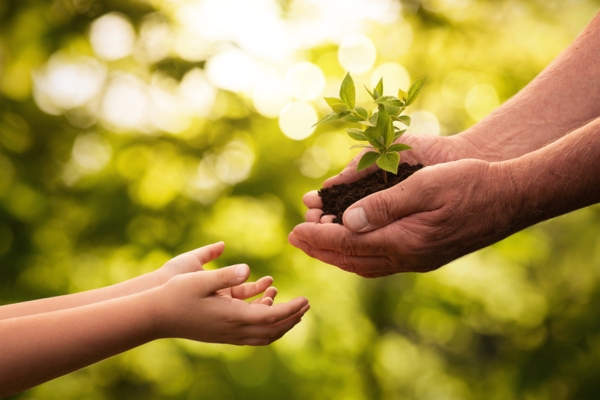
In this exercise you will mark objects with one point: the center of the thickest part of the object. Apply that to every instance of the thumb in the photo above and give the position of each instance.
(386, 206)
(223, 278)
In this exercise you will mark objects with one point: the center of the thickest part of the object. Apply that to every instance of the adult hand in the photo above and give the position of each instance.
(427, 150)
(438, 214)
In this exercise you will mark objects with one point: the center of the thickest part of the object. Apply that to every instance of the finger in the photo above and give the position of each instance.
(381, 208)
(270, 293)
(258, 314)
(337, 238)
(211, 281)
(313, 215)
(251, 289)
(327, 219)
(312, 199)
(267, 298)
(202, 255)
(265, 334)
(367, 267)
(267, 301)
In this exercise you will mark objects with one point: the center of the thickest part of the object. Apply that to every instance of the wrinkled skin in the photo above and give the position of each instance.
(419, 224)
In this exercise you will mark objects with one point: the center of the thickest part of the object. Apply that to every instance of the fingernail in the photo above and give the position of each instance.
(356, 219)
(240, 270)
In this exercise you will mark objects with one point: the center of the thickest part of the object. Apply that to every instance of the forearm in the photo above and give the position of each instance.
(563, 97)
(556, 179)
(132, 286)
(41, 347)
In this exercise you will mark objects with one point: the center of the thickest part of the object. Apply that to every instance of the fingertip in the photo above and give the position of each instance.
(242, 271)
(303, 301)
(267, 301)
(293, 240)
(327, 219)
(313, 215)
(356, 219)
(312, 199)
(218, 245)
(299, 231)
(210, 252)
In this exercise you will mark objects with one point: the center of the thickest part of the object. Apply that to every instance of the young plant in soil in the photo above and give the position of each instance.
(379, 131)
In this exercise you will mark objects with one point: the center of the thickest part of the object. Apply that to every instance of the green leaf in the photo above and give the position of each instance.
(388, 133)
(389, 162)
(337, 105)
(414, 90)
(331, 117)
(362, 146)
(383, 129)
(356, 134)
(370, 134)
(402, 95)
(398, 147)
(389, 100)
(398, 134)
(378, 91)
(353, 118)
(405, 119)
(373, 119)
(392, 110)
(347, 91)
(362, 112)
(368, 159)
(371, 93)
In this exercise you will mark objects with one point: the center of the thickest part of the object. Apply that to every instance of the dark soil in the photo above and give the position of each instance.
(337, 198)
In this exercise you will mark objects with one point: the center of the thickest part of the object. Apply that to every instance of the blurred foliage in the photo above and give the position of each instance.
(94, 191)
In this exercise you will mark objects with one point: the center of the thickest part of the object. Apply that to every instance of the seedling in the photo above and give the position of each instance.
(379, 129)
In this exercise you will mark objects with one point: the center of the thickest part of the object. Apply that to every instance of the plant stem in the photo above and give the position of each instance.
(384, 177)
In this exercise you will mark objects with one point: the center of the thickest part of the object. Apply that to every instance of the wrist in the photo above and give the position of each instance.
(154, 308)
(523, 204)
(471, 144)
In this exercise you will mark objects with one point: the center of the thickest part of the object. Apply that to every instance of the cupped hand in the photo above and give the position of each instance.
(438, 214)
(426, 150)
(208, 306)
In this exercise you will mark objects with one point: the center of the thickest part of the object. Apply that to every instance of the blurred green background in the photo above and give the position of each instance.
(134, 130)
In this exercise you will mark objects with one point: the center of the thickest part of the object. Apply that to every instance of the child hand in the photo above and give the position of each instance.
(208, 306)
(194, 261)
(191, 261)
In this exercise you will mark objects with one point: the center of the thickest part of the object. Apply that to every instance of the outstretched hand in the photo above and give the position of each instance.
(438, 214)
(209, 306)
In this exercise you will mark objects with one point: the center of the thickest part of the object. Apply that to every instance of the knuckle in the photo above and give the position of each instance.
(381, 206)
(223, 276)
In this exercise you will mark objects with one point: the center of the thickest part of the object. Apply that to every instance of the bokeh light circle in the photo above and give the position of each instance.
(481, 100)
(305, 81)
(395, 77)
(296, 120)
(112, 36)
(357, 54)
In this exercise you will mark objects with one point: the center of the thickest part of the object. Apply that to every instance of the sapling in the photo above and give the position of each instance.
(378, 127)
